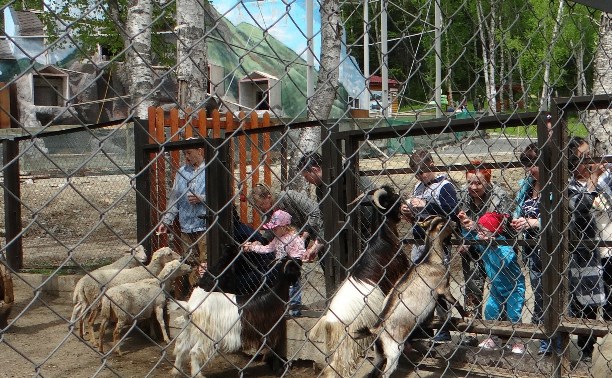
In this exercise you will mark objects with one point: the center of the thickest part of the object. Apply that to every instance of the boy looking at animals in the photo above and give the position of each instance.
(286, 242)
(507, 290)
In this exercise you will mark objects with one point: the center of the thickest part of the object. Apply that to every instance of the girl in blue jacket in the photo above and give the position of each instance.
(507, 289)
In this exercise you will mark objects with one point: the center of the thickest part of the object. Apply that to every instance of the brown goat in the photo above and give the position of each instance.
(413, 300)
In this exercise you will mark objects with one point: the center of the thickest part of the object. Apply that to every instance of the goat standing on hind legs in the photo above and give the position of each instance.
(414, 298)
(360, 298)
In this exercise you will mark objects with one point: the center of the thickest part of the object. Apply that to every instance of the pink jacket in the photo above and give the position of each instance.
(289, 244)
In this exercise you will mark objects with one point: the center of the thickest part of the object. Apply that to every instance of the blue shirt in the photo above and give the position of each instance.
(187, 180)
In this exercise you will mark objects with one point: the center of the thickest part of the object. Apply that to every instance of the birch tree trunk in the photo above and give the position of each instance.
(491, 41)
(485, 59)
(192, 65)
(320, 105)
(139, 21)
(599, 122)
(545, 98)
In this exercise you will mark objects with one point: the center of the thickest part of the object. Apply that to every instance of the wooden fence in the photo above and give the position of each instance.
(247, 170)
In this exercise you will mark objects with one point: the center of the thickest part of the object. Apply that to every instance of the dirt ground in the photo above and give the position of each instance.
(40, 343)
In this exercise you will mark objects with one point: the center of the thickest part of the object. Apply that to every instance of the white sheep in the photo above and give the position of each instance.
(130, 302)
(90, 294)
(226, 323)
(136, 257)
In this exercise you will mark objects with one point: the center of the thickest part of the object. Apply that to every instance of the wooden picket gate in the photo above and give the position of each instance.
(170, 127)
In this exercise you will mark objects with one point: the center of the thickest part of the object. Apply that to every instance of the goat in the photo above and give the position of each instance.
(139, 300)
(239, 273)
(413, 300)
(360, 298)
(228, 323)
(89, 295)
(135, 258)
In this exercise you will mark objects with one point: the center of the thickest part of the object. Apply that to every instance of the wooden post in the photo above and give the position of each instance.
(218, 195)
(143, 185)
(554, 238)
(12, 188)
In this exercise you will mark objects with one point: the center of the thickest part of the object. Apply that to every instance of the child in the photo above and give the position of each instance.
(286, 242)
(507, 290)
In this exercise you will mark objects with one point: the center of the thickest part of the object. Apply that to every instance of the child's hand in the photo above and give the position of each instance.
(247, 246)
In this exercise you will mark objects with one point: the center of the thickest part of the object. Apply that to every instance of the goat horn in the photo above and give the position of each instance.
(376, 198)
(357, 200)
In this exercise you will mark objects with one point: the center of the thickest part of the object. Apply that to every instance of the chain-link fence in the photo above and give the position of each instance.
(444, 165)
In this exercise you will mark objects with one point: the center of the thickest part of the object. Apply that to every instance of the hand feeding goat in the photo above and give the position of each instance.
(228, 323)
(413, 300)
(360, 298)
(136, 257)
(139, 300)
(89, 295)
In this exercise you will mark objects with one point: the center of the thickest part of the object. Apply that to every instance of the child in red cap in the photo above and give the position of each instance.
(507, 292)
(286, 242)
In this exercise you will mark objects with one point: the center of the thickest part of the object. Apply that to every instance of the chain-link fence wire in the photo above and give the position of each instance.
(77, 64)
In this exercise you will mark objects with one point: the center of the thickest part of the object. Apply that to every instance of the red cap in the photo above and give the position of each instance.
(492, 221)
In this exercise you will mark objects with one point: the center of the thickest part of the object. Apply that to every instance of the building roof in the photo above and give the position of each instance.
(29, 23)
(5, 50)
(378, 80)
(255, 75)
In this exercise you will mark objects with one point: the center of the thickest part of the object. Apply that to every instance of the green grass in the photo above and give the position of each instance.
(574, 128)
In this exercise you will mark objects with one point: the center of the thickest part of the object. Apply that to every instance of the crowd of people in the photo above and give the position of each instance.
(488, 217)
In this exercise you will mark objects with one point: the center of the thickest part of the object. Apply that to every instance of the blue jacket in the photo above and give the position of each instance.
(502, 267)
(187, 180)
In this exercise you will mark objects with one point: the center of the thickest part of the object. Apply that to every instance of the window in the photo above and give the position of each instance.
(261, 99)
(353, 102)
(49, 90)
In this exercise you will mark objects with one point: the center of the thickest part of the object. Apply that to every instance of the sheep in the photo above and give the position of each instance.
(413, 300)
(137, 256)
(229, 323)
(139, 300)
(89, 294)
(360, 297)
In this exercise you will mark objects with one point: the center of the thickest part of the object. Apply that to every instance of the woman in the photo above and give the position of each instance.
(478, 196)
(585, 284)
(526, 219)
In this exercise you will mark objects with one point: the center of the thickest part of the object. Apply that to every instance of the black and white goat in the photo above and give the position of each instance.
(226, 323)
(360, 298)
(413, 300)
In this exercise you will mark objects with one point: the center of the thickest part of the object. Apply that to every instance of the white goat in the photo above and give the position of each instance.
(227, 323)
(360, 297)
(130, 302)
(90, 294)
(413, 300)
(136, 257)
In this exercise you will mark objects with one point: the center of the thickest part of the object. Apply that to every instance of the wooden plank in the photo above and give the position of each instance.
(242, 157)
(216, 124)
(189, 121)
(202, 123)
(266, 147)
(229, 128)
(255, 161)
(5, 106)
(159, 173)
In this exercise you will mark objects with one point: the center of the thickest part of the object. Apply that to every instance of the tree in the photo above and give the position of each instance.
(599, 122)
(139, 57)
(320, 104)
(192, 64)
